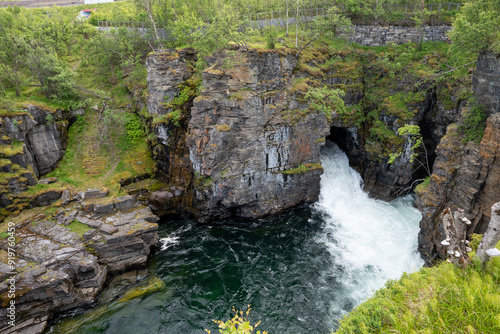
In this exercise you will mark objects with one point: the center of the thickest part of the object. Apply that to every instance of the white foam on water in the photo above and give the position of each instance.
(168, 241)
(370, 241)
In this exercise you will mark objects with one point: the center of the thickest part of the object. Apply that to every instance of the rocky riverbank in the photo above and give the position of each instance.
(64, 257)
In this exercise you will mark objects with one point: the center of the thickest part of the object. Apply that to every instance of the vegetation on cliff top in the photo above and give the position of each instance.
(441, 299)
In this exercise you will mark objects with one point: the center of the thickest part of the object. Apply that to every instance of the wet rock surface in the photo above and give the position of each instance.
(63, 260)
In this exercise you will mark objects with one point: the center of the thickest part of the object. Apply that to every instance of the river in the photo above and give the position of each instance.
(300, 271)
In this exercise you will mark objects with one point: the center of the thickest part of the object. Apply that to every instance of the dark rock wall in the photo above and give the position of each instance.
(486, 82)
(465, 176)
(32, 143)
(243, 152)
(237, 147)
(43, 140)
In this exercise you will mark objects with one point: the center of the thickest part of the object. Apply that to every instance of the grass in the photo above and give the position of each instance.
(422, 186)
(10, 150)
(78, 227)
(102, 151)
(441, 299)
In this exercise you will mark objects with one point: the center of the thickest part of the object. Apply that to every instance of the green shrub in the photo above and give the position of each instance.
(474, 123)
(239, 324)
(422, 186)
(271, 37)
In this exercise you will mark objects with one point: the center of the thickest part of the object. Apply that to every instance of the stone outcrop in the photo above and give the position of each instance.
(244, 152)
(465, 175)
(167, 71)
(42, 135)
(486, 82)
(32, 143)
(248, 150)
(62, 261)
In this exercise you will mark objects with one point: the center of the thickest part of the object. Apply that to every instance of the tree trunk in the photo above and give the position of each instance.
(286, 18)
(297, 26)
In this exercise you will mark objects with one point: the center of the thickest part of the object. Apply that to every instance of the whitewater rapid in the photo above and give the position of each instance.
(369, 241)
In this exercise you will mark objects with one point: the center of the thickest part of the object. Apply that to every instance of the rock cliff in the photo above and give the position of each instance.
(250, 151)
(32, 143)
(465, 175)
(241, 139)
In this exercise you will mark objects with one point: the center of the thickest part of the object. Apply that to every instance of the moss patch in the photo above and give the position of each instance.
(78, 227)
(304, 168)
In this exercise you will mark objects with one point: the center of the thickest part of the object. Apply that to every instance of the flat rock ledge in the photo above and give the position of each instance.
(62, 261)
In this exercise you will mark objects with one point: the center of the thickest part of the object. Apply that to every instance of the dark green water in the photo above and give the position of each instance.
(300, 271)
(274, 264)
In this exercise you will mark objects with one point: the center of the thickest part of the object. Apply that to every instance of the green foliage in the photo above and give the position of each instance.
(423, 185)
(475, 29)
(49, 119)
(117, 54)
(202, 182)
(304, 168)
(225, 28)
(183, 97)
(135, 128)
(271, 35)
(238, 324)
(122, 11)
(326, 100)
(474, 123)
(326, 26)
(441, 299)
(169, 118)
(414, 138)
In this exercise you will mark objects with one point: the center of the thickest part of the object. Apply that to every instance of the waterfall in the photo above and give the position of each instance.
(369, 241)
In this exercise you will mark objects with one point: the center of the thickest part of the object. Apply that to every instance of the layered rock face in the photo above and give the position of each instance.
(32, 143)
(372, 35)
(62, 261)
(246, 155)
(465, 176)
(248, 142)
(43, 137)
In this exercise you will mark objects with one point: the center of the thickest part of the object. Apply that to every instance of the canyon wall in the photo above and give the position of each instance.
(33, 141)
(247, 157)
(240, 138)
(465, 175)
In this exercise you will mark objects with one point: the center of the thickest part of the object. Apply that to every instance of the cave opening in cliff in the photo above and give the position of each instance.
(342, 137)
(426, 153)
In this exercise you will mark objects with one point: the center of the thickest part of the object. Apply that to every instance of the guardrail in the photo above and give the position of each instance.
(126, 24)
(143, 28)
